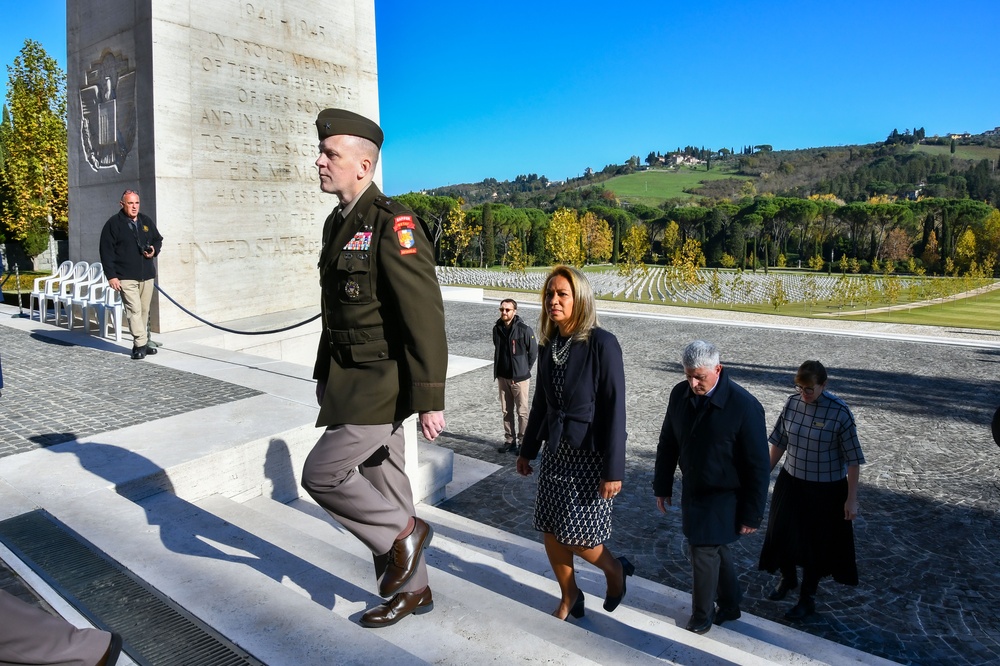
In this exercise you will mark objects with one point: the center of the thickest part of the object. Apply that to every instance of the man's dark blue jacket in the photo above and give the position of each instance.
(723, 454)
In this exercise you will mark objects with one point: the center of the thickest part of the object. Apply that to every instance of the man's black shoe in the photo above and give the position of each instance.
(150, 350)
(507, 448)
(138, 353)
(726, 614)
(700, 626)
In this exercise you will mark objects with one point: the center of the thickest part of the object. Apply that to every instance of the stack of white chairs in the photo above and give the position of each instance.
(81, 271)
(44, 290)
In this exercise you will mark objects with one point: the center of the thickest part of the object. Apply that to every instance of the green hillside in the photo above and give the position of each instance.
(894, 167)
(655, 186)
(961, 152)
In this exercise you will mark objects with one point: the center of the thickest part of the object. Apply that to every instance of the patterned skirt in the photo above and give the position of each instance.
(569, 504)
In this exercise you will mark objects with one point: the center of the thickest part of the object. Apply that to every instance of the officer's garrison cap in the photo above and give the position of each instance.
(331, 122)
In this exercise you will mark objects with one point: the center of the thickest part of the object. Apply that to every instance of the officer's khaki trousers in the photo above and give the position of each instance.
(29, 635)
(136, 297)
(372, 503)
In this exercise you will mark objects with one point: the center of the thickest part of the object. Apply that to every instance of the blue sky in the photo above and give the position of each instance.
(470, 90)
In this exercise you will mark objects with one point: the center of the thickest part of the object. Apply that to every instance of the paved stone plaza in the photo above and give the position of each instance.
(927, 537)
(57, 391)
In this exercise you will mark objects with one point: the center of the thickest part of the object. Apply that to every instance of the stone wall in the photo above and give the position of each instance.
(207, 108)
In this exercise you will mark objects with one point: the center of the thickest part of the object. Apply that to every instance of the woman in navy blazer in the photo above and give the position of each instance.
(578, 411)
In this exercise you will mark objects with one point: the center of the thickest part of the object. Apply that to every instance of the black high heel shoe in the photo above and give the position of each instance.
(577, 610)
(611, 603)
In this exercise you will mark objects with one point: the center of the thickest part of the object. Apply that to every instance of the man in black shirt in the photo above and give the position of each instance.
(514, 353)
(129, 241)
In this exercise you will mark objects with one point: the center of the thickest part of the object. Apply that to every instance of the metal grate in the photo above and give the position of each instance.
(156, 631)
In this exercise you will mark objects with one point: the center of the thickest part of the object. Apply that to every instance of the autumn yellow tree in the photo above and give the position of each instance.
(457, 233)
(564, 238)
(989, 245)
(931, 256)
(671, 239)
(34, 175)
(776, 295)
(515, 258)
(965, 249)
(688, 259)
(598, 241)
(635, 246)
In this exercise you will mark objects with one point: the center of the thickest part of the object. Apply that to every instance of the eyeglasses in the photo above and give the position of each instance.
(807, 390)
(506, 309)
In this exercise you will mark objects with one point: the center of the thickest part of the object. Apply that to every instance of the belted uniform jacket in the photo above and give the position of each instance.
(723, 454)
(383, 352)
(592, 416)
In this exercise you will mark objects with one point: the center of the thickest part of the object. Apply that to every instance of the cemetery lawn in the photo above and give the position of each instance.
(981, 311)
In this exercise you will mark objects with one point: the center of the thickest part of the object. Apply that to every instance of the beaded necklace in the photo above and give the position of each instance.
(561, 354)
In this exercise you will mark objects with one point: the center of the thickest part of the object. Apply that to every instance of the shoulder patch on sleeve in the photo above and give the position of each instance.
(403, 226)
(406, 224)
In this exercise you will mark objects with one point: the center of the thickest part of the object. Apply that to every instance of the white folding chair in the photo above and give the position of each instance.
(44, 290)
(83, 293)
(106, 302)
(65, 296)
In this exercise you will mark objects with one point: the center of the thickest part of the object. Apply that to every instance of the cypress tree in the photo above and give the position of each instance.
(489, 236)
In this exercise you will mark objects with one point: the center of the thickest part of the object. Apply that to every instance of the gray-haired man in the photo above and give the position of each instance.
(715, 430)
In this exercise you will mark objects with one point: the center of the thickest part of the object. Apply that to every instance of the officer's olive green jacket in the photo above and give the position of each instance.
(383, 352)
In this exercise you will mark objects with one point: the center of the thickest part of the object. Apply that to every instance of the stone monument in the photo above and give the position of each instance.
(207, 108)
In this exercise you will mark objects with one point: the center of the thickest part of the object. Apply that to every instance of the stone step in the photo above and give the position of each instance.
(661, 604)
(267, 575)
(481, 602)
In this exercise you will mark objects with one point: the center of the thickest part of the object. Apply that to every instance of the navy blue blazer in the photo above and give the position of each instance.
(592, 417)
(723, 455)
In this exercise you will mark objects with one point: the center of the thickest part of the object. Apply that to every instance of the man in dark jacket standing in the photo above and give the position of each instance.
(514, 354)
(715, 429)
(129, 241)
(382, 356)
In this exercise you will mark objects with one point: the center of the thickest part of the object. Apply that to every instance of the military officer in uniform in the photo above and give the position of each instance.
(382, 356)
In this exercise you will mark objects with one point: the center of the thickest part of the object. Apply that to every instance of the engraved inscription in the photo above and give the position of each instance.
(240, 249)
(262, 74)
(263, 15)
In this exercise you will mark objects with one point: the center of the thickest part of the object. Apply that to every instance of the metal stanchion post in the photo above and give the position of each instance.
(20, 308)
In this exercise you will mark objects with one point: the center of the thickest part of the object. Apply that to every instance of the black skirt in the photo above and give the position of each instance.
(806, 527)
(569, 504)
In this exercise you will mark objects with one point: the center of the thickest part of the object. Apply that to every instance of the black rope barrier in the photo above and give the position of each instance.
(231, 330)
